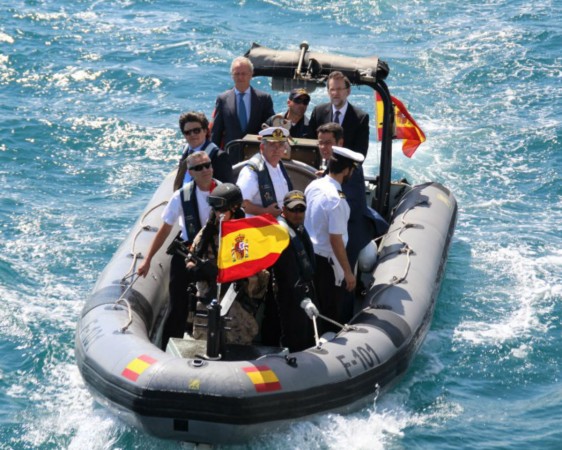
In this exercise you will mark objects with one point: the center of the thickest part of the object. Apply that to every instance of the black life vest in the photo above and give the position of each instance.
(190, 208)
(267, 191)
(208, 147)
(304, 255)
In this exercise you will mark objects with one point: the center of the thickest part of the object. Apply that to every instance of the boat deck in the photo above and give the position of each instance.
(189, 348)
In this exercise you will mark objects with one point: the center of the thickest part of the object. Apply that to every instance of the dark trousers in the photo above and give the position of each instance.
(285, 323)
(329, 297)
(179, 301)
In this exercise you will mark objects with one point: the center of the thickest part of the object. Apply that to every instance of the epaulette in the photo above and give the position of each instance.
(342, 195)
(255, 165)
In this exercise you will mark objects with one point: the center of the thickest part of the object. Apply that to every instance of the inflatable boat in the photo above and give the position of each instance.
(186, 393)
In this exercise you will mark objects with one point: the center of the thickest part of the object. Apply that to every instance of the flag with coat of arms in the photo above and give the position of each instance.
(249, 245)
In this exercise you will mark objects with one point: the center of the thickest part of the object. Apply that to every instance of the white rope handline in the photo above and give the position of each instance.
(129, 309)
(406, 249)
(131, 272)
(144, 227)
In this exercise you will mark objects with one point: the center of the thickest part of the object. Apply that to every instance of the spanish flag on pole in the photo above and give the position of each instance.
(249, 245)
(406, 127)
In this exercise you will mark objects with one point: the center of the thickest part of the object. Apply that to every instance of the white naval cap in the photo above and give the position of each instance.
(274, 134)
(342, 152)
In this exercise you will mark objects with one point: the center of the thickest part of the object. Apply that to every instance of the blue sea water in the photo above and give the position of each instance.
(90, 94)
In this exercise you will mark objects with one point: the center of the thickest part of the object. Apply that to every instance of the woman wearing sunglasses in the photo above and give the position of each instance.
(195, 129)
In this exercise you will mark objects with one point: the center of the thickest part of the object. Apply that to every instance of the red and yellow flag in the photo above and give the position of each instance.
(406, 127)
(249, 245)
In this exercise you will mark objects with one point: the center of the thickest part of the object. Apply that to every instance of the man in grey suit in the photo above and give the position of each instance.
(355, 122)
(241, 110)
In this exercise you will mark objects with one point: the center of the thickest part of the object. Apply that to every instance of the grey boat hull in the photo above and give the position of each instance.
(216, 402)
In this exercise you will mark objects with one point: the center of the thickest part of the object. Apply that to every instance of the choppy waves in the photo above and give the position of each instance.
(91, 97)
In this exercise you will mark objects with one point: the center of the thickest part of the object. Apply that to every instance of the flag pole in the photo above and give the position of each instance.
(385, 167)
(221, 218)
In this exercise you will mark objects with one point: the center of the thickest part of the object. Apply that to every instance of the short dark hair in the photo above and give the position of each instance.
(338, 163)
(331, 127)
(337, 75)
(336, 166)
(194, 116)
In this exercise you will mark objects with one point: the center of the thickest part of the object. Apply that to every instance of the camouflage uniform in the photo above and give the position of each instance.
(243, 326)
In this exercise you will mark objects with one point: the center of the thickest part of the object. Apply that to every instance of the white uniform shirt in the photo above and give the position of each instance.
(174, 211)
(326, 213)
(202, 205)
(248, 184)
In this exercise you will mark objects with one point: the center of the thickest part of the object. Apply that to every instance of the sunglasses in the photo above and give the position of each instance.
(200, 167)
(297, 209)
(193, 131)
(301, 101)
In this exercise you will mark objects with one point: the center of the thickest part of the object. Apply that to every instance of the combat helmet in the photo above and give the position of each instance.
(225, 197)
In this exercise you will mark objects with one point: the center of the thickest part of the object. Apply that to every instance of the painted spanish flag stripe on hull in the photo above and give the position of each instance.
(263, 378)
(249, 245)
(137, 366)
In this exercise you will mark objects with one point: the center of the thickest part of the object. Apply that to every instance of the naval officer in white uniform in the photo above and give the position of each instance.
(326, 222)
(264, 182)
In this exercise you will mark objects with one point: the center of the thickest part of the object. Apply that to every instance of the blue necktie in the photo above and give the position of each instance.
(337, 117)
(242, 116)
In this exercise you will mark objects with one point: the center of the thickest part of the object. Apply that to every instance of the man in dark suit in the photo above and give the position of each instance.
(241, 110)
(354, 121)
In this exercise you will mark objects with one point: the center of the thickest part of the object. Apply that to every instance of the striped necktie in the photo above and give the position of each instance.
(337, 117)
